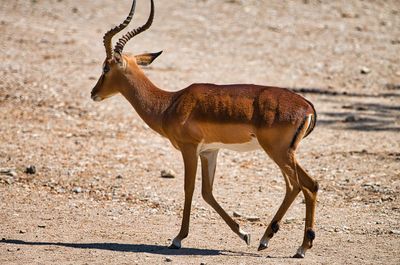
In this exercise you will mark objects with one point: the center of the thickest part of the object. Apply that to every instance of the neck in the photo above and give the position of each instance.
(149, 101)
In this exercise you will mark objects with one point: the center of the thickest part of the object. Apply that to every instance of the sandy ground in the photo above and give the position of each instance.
(97, 196)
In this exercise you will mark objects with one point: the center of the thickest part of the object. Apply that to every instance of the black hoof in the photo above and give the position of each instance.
(246, 238)
(172, 246)
(298, 256)
(262, 247)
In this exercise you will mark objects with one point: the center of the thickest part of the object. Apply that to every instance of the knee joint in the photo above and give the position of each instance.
(316, 187)
(206, 196)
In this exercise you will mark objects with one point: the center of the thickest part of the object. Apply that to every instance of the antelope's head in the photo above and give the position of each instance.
(116, 62)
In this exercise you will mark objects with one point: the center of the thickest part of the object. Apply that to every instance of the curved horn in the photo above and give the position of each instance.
(108, 36)
(123, 40)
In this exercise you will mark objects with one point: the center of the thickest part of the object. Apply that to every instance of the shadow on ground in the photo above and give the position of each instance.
(353, 114)
(135, 248)
(327, 92)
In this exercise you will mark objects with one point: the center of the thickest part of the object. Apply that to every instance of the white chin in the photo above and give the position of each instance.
(96, 98)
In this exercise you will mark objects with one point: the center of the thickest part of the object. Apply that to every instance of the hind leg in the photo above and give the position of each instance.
(284, 158)
(309, 188)
(292, 190)
(296, 179)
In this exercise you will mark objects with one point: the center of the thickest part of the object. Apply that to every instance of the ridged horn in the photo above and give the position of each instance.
(123, 40)
(108, 36)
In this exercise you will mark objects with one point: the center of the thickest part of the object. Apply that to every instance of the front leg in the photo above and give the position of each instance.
(190, 157)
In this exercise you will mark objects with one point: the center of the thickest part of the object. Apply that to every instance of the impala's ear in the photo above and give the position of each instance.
(146, 58)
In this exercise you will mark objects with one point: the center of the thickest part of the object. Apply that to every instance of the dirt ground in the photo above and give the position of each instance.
(97, 196)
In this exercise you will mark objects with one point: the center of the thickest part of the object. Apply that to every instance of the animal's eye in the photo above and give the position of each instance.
(106, 68)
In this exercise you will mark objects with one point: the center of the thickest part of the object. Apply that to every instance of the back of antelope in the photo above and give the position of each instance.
(202, 118)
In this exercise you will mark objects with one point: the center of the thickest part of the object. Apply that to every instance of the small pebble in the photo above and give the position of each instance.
(77, 190)
(22, 231)
(253, 218)
(365, 70)
(351, 118)
(168, 259)
(395, 232)
(237, 214)
(289, 220)
(393, 86)
(8, 172)
(9, 181)
(30, 170)
(384, 199)
(169, 174)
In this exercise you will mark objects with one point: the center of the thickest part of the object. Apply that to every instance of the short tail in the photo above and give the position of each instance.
(300, 134)
(313, 120)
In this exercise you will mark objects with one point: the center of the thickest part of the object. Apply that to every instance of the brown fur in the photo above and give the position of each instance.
(241, 103)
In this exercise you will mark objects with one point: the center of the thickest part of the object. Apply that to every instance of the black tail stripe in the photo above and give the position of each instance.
(299, 129)
(314, 120)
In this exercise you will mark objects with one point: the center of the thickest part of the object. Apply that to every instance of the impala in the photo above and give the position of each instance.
(202, 118)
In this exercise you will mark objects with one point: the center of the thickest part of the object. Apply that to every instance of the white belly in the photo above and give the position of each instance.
(242, 147)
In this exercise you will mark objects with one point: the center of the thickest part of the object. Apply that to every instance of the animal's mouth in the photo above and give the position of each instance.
(96, 98)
